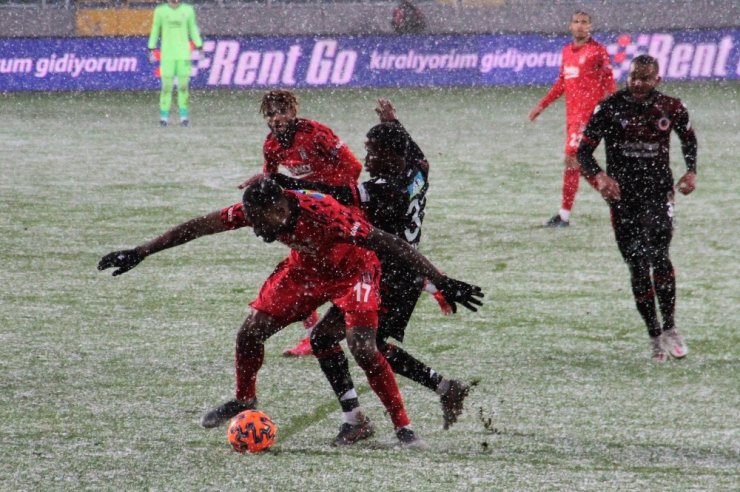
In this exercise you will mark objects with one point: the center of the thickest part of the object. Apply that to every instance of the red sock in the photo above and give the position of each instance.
(311, 321)
(248, 360)
(383, 382)
(571, 179)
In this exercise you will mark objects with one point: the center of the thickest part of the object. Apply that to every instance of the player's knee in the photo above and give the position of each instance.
(363, 348)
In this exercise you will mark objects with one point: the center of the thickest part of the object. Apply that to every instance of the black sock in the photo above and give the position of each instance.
(335, 367)
(406, 365)
(642, 290)
(665, 289)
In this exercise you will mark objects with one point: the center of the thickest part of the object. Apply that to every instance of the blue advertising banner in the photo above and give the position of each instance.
(373, 61)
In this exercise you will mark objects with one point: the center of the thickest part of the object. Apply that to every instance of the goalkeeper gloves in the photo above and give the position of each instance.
(459, 292)
(152, 57)
(124, 260)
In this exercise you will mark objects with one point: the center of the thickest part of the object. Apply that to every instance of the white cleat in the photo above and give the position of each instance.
(674, 344)
(658, 353)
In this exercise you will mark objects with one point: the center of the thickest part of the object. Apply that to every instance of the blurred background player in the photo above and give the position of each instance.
(585, 78)
(332, 259)
(635, 124)
(174, 23)
(392, 200)
(309, 150)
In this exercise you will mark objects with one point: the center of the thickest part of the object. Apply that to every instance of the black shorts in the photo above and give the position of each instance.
(399, 291)
(643, 229)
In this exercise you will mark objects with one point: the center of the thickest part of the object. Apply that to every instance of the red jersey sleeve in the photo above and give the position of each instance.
(556, 90)
(271, 164)
(234, 217)
(328, 144)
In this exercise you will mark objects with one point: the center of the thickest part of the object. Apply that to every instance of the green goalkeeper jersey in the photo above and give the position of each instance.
(177, 27)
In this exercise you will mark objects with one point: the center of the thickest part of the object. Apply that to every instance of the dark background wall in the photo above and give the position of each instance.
(58, 19)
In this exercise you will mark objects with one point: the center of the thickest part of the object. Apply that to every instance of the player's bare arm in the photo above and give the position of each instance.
(125, 260)
(454, 291)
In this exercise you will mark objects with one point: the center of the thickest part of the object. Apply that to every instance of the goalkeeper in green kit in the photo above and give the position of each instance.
(175, 23)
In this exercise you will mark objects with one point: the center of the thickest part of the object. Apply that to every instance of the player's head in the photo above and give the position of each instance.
(580, 25)
(280, 110)
(266, 208)
(174, 3)
(643, 76)
(386, 147)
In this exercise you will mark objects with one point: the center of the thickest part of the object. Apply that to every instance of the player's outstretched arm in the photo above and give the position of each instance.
(125, 260)
(454, 291)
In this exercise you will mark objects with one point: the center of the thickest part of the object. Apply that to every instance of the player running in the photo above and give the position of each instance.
(332, 259)
(175, 23)
(636, 125)
(392, 200)
(585, 78)
(307, 149)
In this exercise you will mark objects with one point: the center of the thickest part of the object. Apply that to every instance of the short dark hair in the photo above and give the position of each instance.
(581, 12)
(261, 193)
(646, 60)
(389, 136)
(279, 96)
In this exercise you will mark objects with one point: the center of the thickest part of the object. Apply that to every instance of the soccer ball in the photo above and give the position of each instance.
(251, 431)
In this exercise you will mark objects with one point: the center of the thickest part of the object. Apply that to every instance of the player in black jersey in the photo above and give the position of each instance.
(393, 199)
(636, 125)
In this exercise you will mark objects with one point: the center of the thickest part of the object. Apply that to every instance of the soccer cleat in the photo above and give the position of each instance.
(184, 123)
(556, 222)
(163, 123)
(351, 433)
(673, 342)
(408, 439)
(658, 354)
(301, 350)
(452, 402)
(221, 414)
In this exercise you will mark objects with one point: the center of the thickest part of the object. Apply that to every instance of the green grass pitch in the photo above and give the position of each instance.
(103, 380)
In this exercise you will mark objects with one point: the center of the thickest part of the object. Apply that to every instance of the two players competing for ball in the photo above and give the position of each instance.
(319, 229)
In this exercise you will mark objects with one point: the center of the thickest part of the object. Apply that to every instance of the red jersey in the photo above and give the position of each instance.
(586, 78)
(316, 154)
(323, 235)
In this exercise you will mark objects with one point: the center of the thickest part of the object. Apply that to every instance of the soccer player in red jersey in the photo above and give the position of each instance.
(308, 150)
(332, 259)
(585, 78)
(636, 125)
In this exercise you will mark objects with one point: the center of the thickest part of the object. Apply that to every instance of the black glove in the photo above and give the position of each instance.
(457, 291)
(125, 260)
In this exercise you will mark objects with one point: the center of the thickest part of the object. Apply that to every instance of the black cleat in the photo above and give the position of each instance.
(452, 402)
(163, 123)
(556, 222)
(221, 414)
(350, 434)
(408, 439)
(184, 123)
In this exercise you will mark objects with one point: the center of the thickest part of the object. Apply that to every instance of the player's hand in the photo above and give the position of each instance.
(152, 57)
(250, 181)
(124, 260)
(608, 187)
(687, 183)
(459, 292)
(535, 112)
(386, 111)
